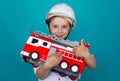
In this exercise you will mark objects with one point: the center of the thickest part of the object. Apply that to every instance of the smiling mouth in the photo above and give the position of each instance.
(59, 36)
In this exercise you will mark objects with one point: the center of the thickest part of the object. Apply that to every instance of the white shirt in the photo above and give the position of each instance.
(53, 76)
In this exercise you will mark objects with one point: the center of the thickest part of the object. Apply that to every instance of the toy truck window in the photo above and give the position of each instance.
(34, 41)
(45, 43)
(38, 42)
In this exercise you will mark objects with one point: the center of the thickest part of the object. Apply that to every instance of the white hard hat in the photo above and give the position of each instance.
(63, 10)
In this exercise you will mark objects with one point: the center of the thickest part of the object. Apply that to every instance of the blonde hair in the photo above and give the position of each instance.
(51, 16)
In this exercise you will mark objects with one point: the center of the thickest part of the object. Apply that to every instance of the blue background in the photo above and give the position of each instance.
(98, 22)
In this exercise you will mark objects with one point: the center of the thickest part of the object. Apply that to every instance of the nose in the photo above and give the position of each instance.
(59, 30)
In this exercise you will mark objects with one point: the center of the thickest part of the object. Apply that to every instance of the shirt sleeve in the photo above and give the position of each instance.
(35, 69)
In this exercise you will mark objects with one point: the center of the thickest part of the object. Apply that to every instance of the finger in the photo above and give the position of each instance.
(82, 42)
(74, 48)
(58, 54)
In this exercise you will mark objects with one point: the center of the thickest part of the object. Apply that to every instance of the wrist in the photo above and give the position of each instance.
(46, 66)
(87, 55)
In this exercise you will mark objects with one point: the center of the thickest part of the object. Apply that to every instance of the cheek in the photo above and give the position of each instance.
(66, 31)
(52, 31)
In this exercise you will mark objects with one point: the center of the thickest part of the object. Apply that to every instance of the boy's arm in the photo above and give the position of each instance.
(52, 60)
(82, 51)
(90, 61)
(42, 72)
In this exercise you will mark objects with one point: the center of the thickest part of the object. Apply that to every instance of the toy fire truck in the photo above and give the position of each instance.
(40, 45)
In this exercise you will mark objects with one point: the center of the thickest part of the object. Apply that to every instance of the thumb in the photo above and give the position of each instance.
(82, 42)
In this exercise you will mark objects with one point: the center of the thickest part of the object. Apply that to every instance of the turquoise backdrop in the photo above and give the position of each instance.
(98, 22)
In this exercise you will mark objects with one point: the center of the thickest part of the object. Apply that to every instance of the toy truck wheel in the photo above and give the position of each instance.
(72, 77)
(34, 55)
(62, 74)
(64, 65)
(74, 68)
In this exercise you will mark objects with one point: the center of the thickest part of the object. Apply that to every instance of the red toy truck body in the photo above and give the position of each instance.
(39, 46)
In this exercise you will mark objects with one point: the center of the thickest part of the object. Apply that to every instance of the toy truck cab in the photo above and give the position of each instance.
(36, 48)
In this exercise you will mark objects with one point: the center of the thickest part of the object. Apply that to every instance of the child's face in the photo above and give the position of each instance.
(59, 27)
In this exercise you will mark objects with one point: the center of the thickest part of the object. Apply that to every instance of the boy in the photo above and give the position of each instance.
(60, 20)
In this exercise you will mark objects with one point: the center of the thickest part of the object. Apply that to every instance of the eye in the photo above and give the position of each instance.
(55, 26)
(64, 26)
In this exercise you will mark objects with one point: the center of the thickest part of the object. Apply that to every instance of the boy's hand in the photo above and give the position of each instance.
(81, 50)
(53, 60)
